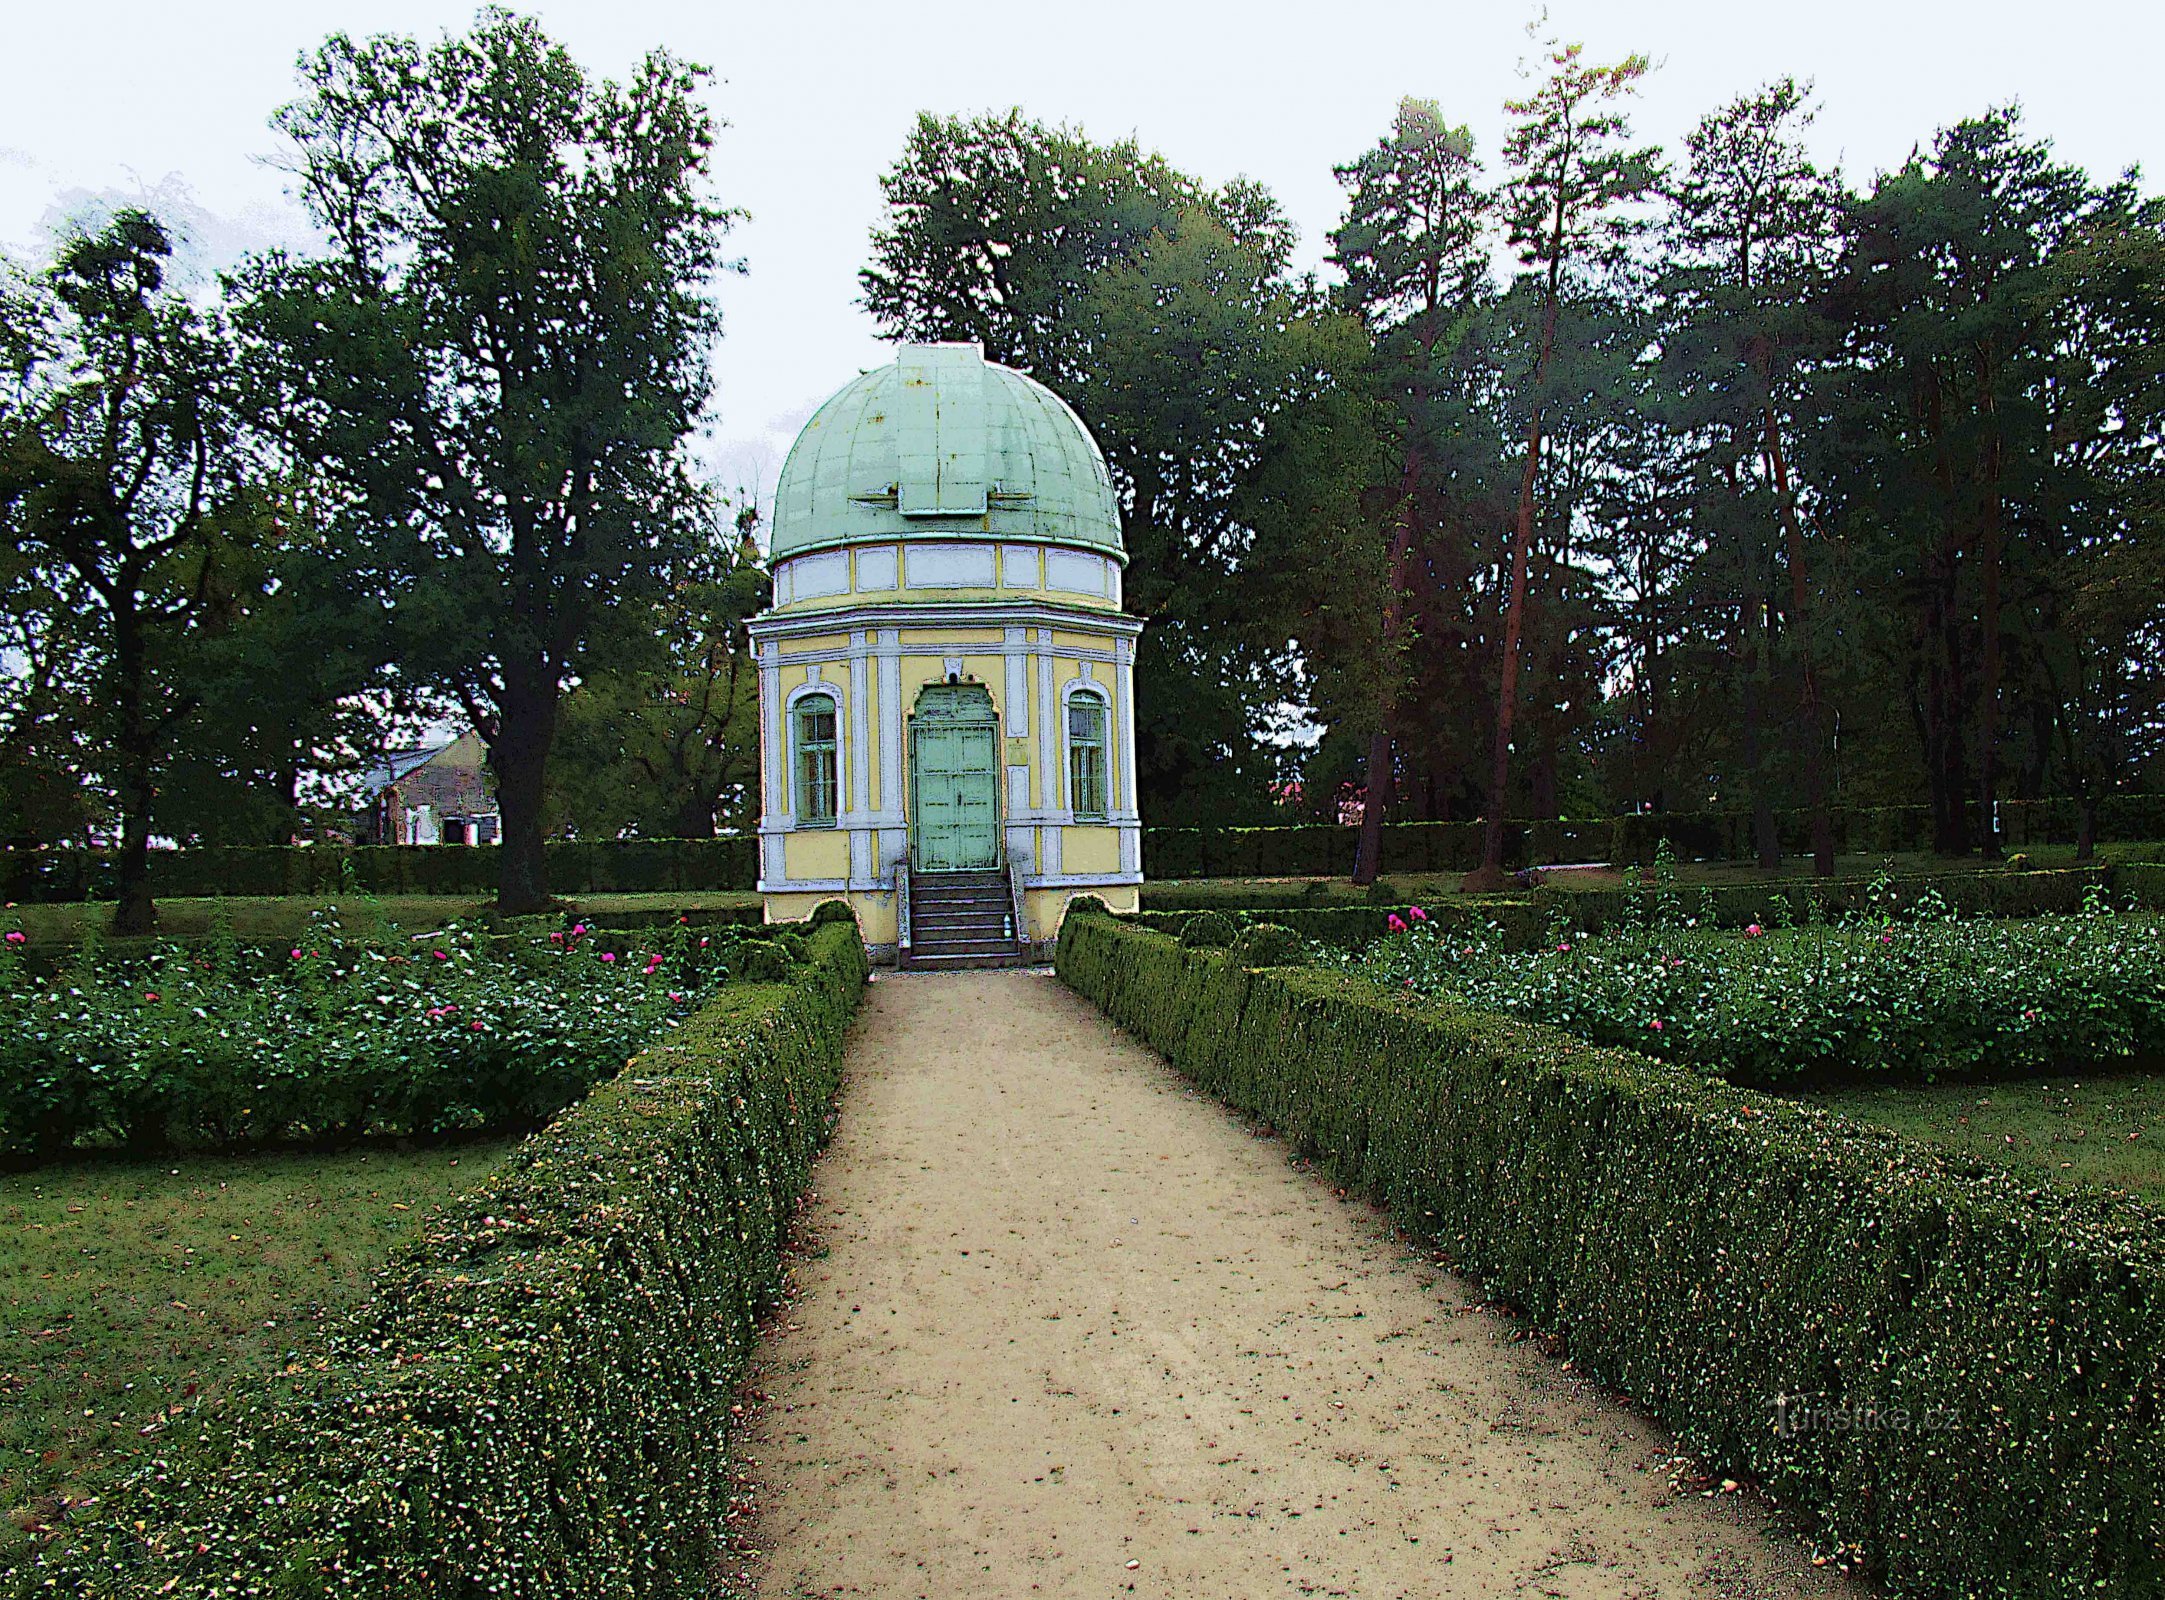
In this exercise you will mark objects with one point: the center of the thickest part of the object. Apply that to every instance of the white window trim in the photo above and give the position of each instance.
(1075, 689)
(804, 691)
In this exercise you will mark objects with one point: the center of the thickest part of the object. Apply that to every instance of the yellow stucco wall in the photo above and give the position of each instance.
(1043, 908)
(1089, 850)
(816, 853)
(875, 911)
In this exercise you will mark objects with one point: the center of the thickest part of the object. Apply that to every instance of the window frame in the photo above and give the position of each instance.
(800, 706)
(1085, 692)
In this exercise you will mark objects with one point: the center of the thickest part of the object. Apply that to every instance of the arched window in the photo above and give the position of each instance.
(1087, 782)
(812, 728)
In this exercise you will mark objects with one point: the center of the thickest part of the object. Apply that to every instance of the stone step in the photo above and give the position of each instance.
(1009, 956)
(993, 946)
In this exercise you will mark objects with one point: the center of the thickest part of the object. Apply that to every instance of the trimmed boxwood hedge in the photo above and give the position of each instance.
(536, 1401)
(637, 866)
(1972, 1369)
(611, 866)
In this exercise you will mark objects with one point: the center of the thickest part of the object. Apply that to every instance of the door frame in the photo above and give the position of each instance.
(966, 698)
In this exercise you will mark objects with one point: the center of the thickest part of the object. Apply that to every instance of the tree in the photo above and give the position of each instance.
(1411, 249)
(124, 481)
(1568, 208)
(501, 360)
(665, 744)
(1752, 233)
(1099, 270)
(1954, 315)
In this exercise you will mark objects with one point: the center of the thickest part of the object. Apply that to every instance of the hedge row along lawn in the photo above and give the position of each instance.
(1949, 1377)
(329, 1039)
(127, 1287)
(536, 1400)
(1911, 997)
(275, 918)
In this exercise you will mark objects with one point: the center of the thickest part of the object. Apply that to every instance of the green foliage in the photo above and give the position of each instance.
(832, 911)
(128, 507)
(327, 1040)
(760, 961)
(1096, 268)
(1087, 905)
(662, 739)
(1900, 990)
(1958, 1374)
(793, 941)
(536, 1401)
(1208, 930)
(501, 361)
(1269, 944)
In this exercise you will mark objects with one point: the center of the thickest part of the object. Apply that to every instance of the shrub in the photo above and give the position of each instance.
(1269, 944)
(330, 1040)
(760, 961)
(1900, 997)
(534, 1402)
(1757, 1273)
(1381, 893)
(793, 941)
(1087, 905)
(1212, 930)
(833, 911)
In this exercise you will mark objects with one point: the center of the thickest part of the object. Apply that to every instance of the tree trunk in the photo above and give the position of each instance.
(1488, 877)
(1766, 843)
(1368, 854)
(519, 757)
(1815, 735)
(1988, 703)
(1376, 798)
(695, 818)
(136, 913)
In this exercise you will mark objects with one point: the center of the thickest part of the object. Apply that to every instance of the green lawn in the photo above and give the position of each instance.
(2106, 1131)
(130, 1287)
(281, 917)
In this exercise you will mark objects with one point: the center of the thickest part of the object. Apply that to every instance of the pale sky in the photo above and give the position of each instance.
(133, 98)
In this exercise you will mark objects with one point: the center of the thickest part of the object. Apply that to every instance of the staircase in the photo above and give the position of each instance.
(961, 919)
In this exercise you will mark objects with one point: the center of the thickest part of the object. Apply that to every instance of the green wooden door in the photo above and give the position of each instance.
(954, 780)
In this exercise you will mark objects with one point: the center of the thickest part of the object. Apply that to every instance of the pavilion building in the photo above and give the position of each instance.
(946, 677)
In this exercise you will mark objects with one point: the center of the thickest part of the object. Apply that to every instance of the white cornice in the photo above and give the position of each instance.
(940, 614)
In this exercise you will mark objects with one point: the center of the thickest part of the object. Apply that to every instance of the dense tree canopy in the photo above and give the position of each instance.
(1584, 476)
(501, 361)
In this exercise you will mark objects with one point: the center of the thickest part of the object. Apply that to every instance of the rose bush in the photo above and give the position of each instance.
(1920, 994)
(330, 1038)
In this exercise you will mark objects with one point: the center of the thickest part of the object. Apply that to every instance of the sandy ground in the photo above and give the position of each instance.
(1065, 1327)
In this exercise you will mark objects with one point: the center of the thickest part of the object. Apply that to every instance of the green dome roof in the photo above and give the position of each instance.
(943, 444)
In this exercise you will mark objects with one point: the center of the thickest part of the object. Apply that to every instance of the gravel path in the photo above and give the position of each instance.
(1068, 1328)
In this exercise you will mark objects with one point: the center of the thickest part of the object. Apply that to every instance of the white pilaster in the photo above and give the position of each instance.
(1016, 700)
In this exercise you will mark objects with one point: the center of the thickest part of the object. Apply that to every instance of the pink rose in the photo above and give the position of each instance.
(1754, 931)
(1416, 913)
(16, 936)
(476, 1027)
(608, 955)
(296, 953)
(1397, 923)
(1655, 1024)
